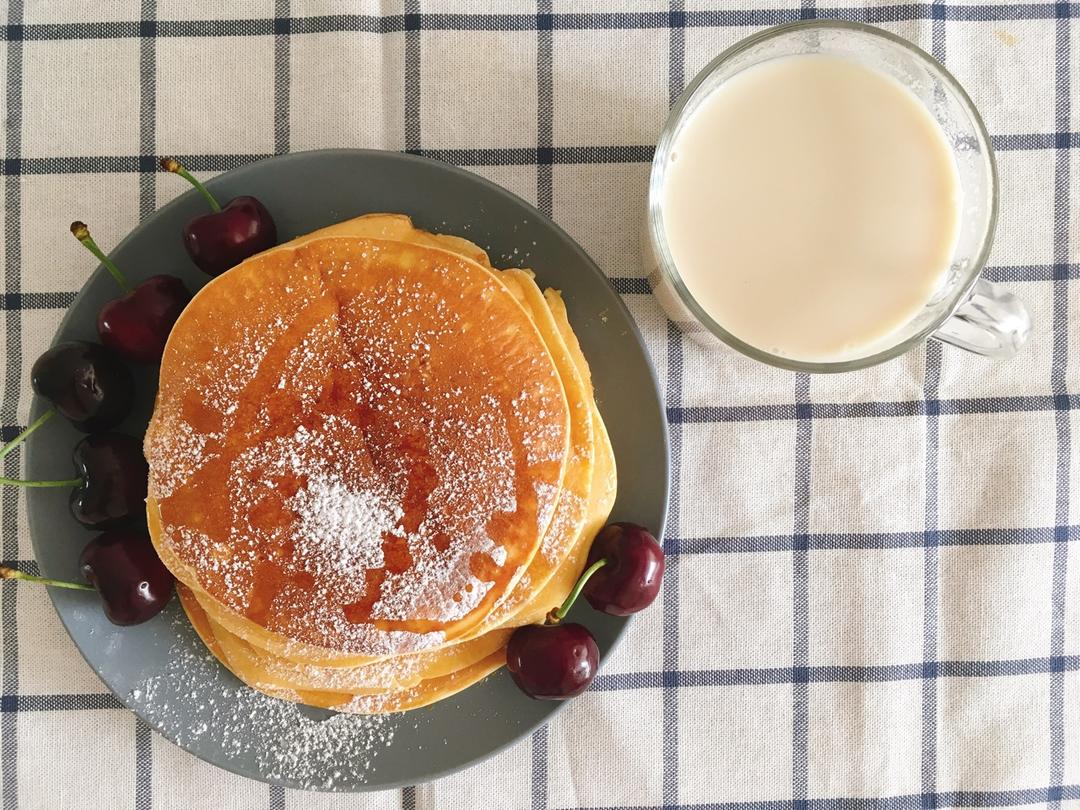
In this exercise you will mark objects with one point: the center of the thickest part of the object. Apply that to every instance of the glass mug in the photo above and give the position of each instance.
(966, 310)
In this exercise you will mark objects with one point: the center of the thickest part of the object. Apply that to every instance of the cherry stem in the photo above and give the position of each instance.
(12, 573)
(41, 420)
(559, 613)
(19, 482)
(82, 233)
(174, 166)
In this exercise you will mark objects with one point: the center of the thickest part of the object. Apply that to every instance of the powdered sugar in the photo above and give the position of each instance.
(547, 497)
(369, 442)
(175, 452)
(193, 702)
(340, 529)
(234, 375)
(433, 583)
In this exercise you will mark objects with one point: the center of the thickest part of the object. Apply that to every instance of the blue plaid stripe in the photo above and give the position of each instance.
(682, 679)
(491, 156)
(673, 396)
(9, 506)
(144, 766)
(538, 746)
(800, 654)
(801, 675)
(545, 124)
(868, 541)
(282, 32)
(862, 410)
(802, 543)
(929, 764)
(1060, 361)
(412, 76)
(147, 107)
(565, 21)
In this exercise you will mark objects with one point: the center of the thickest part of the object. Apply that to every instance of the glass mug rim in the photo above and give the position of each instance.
(665, 264)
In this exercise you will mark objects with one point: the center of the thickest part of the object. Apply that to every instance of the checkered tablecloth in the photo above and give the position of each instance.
(873, 589)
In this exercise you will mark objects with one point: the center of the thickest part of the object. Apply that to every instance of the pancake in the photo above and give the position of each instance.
(413, 696)
(275, 678)
(567, 524)
(378, 684)
(604, 481)
(201, 622)
(395, 228)
(370, 389)
(552, 595)
(572, 506)
(253, 666)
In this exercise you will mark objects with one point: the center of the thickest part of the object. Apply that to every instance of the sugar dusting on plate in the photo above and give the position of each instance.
(278, 740)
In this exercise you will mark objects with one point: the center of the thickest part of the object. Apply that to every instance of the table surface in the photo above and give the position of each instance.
(869, 599)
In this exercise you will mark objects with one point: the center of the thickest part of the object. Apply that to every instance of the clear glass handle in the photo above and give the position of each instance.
(990, 322)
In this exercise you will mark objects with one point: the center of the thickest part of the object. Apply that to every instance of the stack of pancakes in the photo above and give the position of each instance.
(372, 456)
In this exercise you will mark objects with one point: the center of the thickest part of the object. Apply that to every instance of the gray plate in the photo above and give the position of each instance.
(159, 669)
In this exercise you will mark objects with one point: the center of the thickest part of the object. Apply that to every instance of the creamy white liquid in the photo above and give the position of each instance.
(811, 207)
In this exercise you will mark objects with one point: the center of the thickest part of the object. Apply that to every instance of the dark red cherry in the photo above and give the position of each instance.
(113, 473)
(231, 233)
(85, 382)
(138, 324)
(124, 568)
(552, 661)
(219, 241)
(630, 579)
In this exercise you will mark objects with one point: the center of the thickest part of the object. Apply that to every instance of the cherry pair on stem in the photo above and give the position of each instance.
(137, 325)
(554, 661)
(90, 385)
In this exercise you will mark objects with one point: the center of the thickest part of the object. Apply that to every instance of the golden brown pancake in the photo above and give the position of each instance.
(602, 494)
(572, 506)
(279, 677)
(570, 514)
(422, 694)
(293, 672)
(395, 228)
(392, 699)
(319, 396)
